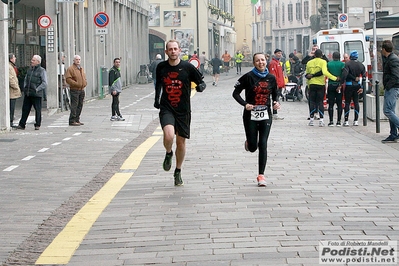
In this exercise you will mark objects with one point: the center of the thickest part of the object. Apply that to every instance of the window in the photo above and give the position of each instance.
(276, 15)
(282, 14)
(298, 11)
(329, 48)
(349, 46)
(290, 15)
(306, 9)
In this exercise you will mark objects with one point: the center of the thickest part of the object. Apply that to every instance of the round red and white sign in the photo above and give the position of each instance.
(44, 21)
(195, 62)
(101, 19)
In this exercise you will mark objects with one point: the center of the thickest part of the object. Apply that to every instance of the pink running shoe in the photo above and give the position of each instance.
(261, 181)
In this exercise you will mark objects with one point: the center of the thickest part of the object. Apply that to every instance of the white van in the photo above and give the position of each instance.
(345, 41)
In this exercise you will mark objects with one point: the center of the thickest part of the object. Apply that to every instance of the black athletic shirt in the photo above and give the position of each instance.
(258, 91)
(175, 83)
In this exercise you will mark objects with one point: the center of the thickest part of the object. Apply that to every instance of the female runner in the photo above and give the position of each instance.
(260, 92)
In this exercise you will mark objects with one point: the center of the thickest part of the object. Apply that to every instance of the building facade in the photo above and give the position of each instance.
(72, 29)
(199, 26)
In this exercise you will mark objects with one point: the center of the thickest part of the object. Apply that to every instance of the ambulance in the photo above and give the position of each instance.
(345, 41)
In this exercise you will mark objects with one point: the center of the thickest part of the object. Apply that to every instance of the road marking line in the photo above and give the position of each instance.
(64, 245)
(27, 158)
(10, 168)
(132, 162)
(43, 150)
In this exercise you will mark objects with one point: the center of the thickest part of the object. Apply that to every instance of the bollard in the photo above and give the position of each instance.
(364, 83)
(100, 83)
(377, 107)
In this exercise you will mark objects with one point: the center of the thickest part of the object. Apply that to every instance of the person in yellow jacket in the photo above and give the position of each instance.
(317, 85)
(238, 58)
(287, 64)
(185, 57)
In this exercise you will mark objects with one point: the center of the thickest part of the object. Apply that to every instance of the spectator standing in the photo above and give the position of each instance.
(115, 89)
(216, 64)
(174, 78)
(76, 78)
(334, 91)
(202, 58)
(351, 76)
(287, 64)
(194, 55)
(35, 85)
(346, 58)
(317, 85)
(226, 57)
(15, 91)
(276, 69)
(238, 58)
(390, 80)
(153, 67)
(185, 57)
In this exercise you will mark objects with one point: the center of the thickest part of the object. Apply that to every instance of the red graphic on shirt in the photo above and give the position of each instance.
(173, 88)
(262, 93)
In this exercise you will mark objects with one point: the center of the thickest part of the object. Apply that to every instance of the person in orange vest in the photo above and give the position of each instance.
(226, 57)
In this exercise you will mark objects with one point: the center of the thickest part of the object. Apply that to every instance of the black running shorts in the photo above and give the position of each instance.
(180, 122)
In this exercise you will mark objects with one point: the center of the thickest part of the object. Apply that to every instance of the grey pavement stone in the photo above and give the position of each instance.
(323, 184)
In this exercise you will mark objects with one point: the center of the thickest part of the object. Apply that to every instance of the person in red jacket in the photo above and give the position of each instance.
(276, 69)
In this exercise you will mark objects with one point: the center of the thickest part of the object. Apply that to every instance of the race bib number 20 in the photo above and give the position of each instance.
(259, 113)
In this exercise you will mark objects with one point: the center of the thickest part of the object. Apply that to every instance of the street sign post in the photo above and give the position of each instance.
(195, 62)
(101, 19)
(70, 1)
(44, 21)
(343, 21)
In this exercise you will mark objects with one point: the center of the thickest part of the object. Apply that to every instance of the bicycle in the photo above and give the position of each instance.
(208, 68)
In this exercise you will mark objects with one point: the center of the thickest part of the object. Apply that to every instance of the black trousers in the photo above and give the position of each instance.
(351, 94)
(12, 110)
(316, 97)
(30, 101)
(257, 133)
(77, 98)
(334, 98)
(115, 105)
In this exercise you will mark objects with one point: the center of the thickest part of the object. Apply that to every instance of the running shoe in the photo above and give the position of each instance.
(389, 140)
(321, 124)
(331, 124)
(167, 162)
(276, 117)
(311, 123)
(114, 118)
(338, 123)
(355, 123)
(261, 181)
(178, 179)
(346, 124)
(120, 118)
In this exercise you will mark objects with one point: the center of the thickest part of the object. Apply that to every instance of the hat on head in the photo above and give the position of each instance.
(158, 56)
(354, 55)
(277, 50)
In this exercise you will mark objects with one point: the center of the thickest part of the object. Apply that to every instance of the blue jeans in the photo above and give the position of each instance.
(390, 98)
